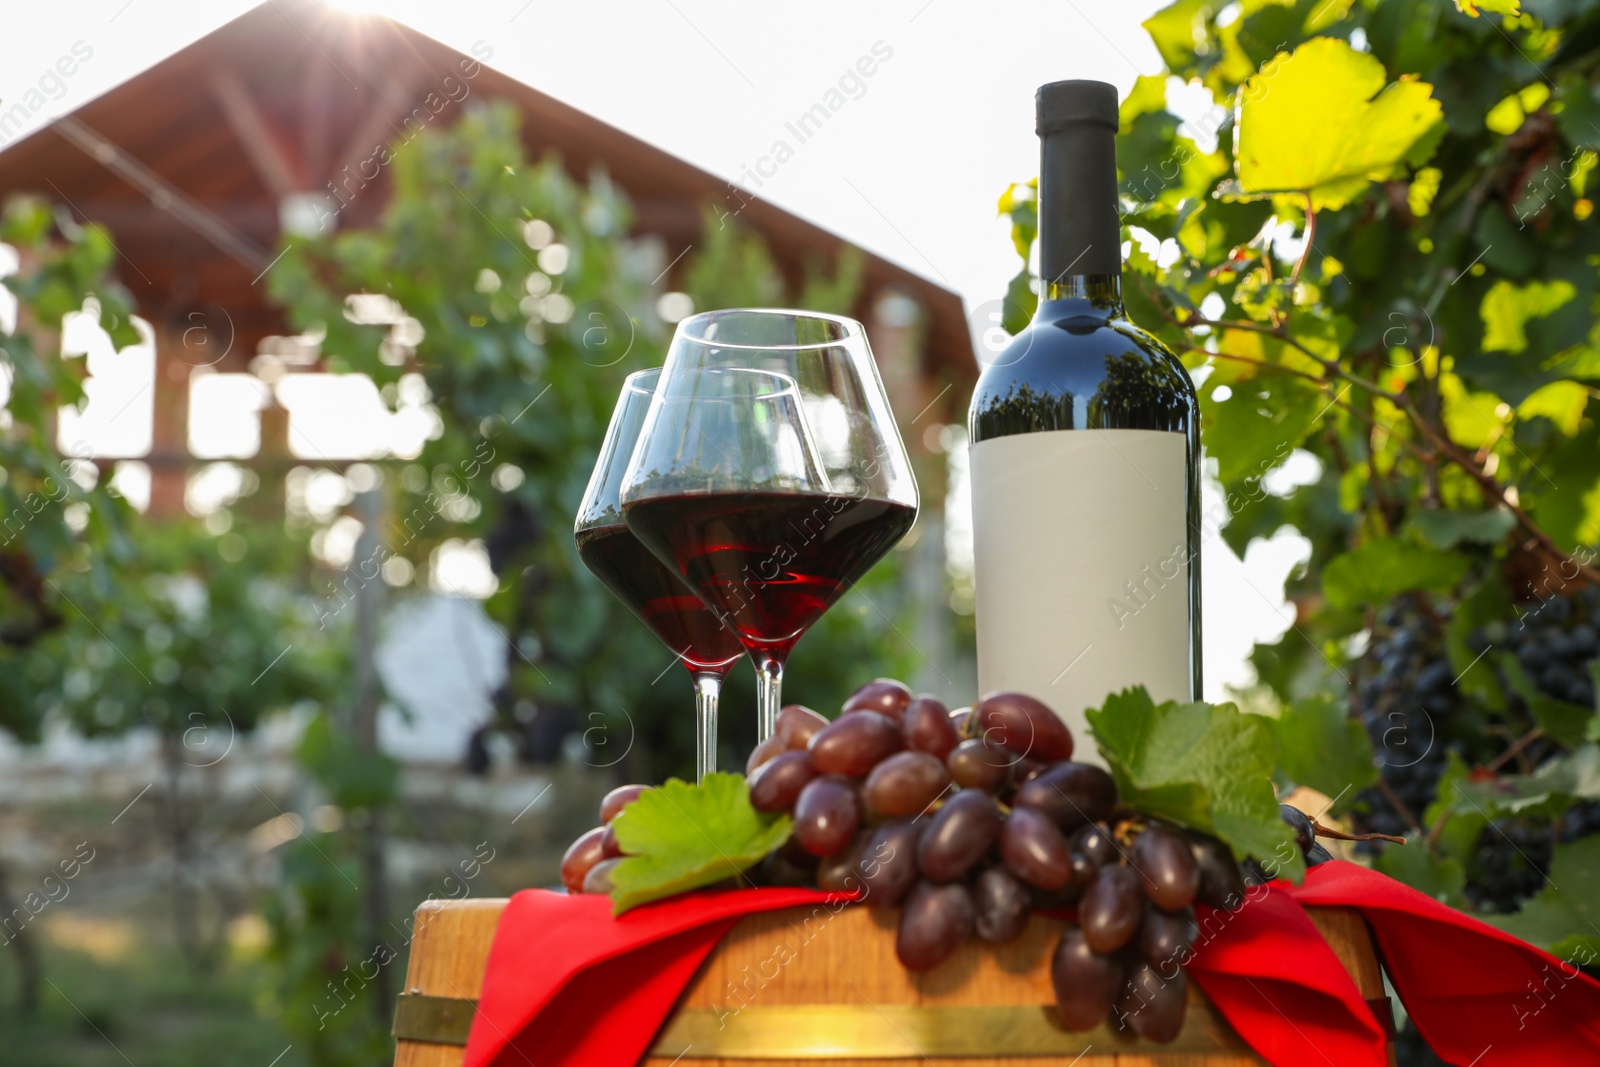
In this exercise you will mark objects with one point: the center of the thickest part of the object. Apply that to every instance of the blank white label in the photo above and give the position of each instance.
(1082, 569)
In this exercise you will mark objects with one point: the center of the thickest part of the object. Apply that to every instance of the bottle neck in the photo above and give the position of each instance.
(1099, 295)
(1080, 234)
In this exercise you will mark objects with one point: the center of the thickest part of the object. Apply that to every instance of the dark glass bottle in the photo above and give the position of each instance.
(1125, 503)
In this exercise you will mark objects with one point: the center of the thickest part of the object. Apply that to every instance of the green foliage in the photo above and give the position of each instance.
(1204, 766)
(1562, 918)
(50, 268)
(1383, 257)
(1385, 567)
(1422, 868)
(1320, 746)
(185, 647)
(325, 968)
(681, 837)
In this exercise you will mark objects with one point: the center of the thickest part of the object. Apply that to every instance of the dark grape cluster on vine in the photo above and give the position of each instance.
(1413, 712)
(1510, 864)
(970, 820)
(1416, 716)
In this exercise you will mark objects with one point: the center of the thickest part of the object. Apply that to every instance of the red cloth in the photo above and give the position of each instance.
(1479, 995)
(569, 986)
(1271, 974)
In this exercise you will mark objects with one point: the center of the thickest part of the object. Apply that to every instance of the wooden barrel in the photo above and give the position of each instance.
(800, 986)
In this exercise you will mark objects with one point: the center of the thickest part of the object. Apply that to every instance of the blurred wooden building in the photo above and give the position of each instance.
(198, 165)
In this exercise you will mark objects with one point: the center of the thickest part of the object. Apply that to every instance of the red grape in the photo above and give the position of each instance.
(1086, 982)
(581, 855)
(958, 836)
(888, 863)
(779, 869)
(620, 797)
(1165, 937)
(1023, 725)
(608, 842)
(927, 727)
(837, 873)
(1073, 794)
(768, 749)
(959, 718)
(598, 880)
(976, 764)
(853, 744)
(884, 696)
(1111, 908)
(1094, 844)
(826, 815)
(1002, 904)
(1033, 849)
(1166, 866)
(776, 784)
(1221, 884)
(1026, 770)
(905, 784)
(797, 724)
(1150, 1005)
(934, 922)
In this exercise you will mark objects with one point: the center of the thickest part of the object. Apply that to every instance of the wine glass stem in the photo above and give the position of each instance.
(707, 688)
(769, 694)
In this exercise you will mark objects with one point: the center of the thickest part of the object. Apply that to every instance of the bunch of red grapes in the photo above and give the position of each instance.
(968, 821)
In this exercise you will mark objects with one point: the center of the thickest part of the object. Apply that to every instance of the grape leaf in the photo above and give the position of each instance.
(1444, 528)
(1204, 766)
(1544, 794)
(681, 837)
(1564, 921)
(1320, 746)
(1497, 7)
(1385, 567)
(1567, 723)
(1320, 121)
(1419, 867)
(1507, 309)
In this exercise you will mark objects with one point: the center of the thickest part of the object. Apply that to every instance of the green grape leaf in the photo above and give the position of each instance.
(1564, 921)
(1544, 794)
(1495, 7)
(1251, 422)
(1418, 866)
(1204, 766)
(1443, 528)
(1482, 607)
(1384, 568)
(1507, 309)
(680, 837)
(1320, 121)
(1567, 723)
(1320, 746)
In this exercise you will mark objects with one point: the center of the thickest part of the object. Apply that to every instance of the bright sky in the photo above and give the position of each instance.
(910, 168)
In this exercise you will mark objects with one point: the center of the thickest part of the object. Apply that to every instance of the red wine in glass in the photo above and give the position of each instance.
(769, 563)
(660, 598)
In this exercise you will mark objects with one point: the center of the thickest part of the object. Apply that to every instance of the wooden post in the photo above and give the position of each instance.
(369, 590)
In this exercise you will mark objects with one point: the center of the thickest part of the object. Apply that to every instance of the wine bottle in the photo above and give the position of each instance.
(1085, 458)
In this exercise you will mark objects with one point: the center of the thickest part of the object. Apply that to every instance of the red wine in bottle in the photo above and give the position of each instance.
(769, 563)
(660, 599)
(1085, 458)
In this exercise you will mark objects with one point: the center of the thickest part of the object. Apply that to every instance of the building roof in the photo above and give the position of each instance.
(187, 164)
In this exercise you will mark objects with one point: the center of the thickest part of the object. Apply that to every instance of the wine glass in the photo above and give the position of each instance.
(672, 611)
(722, 486)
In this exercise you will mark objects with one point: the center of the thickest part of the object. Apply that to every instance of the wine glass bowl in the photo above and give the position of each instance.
(769, 474)
(828, 357)
(652, 591)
